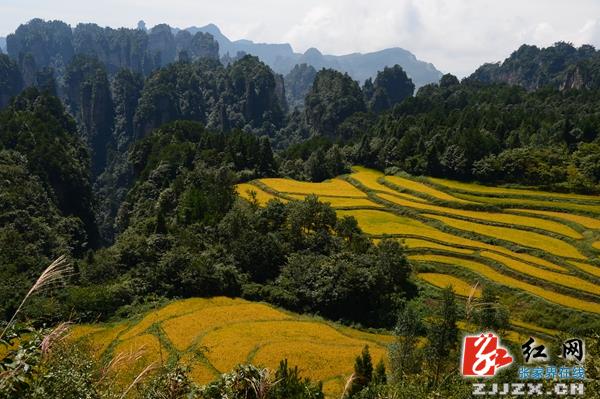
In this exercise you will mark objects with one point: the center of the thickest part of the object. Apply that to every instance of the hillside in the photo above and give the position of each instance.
(214, 335)
(543, 245)
(561, 66)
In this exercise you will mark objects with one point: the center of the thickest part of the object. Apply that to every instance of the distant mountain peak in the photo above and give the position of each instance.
(211, 28)
(312, 51)
(282, 58)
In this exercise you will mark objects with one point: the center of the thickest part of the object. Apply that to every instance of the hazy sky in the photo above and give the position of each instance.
(455, 35)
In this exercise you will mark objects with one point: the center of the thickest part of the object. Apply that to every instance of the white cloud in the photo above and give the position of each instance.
(455, 35)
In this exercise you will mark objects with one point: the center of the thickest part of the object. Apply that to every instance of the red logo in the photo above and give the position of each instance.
(482, 355)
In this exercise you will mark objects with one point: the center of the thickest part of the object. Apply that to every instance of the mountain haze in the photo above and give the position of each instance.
(282, 58)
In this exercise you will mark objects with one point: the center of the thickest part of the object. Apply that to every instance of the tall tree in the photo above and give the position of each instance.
(442, 334)
(11, 81)
(405, 355)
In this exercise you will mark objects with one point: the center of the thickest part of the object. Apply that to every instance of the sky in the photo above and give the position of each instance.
(455, 35)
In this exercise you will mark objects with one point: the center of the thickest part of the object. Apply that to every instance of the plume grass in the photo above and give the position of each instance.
(57, 271)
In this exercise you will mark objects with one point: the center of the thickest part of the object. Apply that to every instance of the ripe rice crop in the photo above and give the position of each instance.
(230, 345)
(380, 222)
(82, 330)
(378, 339)
(459, 286)
(316, 359)
(200, 371)
(148, 343)
(596, 245)
(422, 188)
(533, 327)
(533, 259)
(593, 270)
(478, 188)
(505, 218)
(333, 187)
(171, 310)
(339, 202)
(556, 278)
(520, 237)
(262, 196)
(519, 202)
(202, 374)
(101, 340)
(139, 352)
(369, 178)
(585, 221)
(491, 274)
(415, 243)
(184, 329)
(4, 349)
(212, 336)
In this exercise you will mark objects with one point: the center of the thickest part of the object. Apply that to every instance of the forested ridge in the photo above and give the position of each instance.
(121, 149)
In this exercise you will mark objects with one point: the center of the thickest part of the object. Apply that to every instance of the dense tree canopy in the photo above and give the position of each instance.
(46, 192)
(391, 87)
(333, 97)
(560, 66)
(11, 81)
(243, 95)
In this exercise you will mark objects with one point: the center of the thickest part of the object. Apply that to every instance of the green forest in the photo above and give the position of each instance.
(120, 149)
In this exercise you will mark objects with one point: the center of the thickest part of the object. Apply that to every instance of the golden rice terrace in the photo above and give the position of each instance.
(534, 245)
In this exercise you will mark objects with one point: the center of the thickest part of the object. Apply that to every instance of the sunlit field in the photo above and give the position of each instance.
(459, 286)
(491, 274)
(214, 335)
(499, 191)
(539, 235)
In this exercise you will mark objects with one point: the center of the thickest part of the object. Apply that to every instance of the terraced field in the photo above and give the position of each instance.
(460, 287)
(246, 191)
(543, 245)
(214, 335)
(539, 246)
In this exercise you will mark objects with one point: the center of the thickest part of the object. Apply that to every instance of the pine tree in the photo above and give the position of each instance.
(442, 333)
(266, 162)
(363, 372)
(489, 314)
(405, 356)
(379, 375)
(316, 168)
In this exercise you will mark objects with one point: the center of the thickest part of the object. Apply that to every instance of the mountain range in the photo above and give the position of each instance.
(282, 58)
